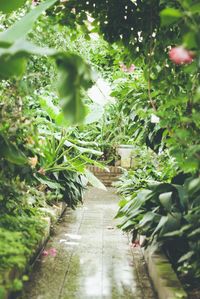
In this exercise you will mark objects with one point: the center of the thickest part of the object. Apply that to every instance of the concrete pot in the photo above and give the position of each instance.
(126, 153)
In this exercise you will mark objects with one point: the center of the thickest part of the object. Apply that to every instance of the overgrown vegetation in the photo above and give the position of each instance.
(150, 58)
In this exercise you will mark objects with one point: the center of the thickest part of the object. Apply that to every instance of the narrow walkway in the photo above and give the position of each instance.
(94, 259)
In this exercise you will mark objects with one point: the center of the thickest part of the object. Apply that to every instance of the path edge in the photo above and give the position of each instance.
(56, 213)
(164, 279)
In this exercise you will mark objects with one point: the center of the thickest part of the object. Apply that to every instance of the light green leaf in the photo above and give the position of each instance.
(22, 27)
(160, 225)
(148, 217)
(23, 47)
(170, 16)
(173, 223)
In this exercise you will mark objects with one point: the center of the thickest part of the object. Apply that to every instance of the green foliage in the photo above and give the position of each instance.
(15, 50)
(9, 6)
(40, 162)
(167, 214)
(70, 83)
(11, 153)
(156, 105)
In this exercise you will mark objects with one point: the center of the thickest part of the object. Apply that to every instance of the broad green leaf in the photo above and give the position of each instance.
(170, 16)
(128, 225)
(194, 186)
(148, 217)
(74, 75)
(160, 225)
(22, 27)
(94, 181)
(12, 66)
(83, 149)
(173, 223)
(195, 234)
(183, 196)
(8, 6)
(166, 200)
(11, 152)
(95, 114)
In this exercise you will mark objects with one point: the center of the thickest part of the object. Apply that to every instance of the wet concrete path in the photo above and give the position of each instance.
(94, 259)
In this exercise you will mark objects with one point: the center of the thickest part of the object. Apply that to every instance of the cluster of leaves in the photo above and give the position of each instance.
(172, 91)
(21, 229)
(168, 215)
(147, 167)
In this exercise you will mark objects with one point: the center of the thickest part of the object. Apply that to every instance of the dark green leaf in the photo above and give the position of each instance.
(11, 152)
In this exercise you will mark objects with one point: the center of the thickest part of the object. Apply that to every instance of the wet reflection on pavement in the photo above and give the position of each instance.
(94, 259)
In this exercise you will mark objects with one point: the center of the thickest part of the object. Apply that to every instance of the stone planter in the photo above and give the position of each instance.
(126, 153)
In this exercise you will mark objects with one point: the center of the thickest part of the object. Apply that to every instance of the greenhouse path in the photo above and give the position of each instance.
(94, 259)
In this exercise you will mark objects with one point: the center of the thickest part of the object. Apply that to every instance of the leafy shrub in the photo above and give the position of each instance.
(168, 215)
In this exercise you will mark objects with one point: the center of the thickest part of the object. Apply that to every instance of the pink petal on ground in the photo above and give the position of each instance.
(45, 253)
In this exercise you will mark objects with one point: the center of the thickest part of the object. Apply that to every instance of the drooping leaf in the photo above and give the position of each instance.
(161, 223)
(50, 183)
(22, 27)
(74, 75)
(25, 48)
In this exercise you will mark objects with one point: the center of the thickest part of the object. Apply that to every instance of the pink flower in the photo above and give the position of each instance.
(53, 252)
(45, 253)
(180, 55)
(126, 69)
